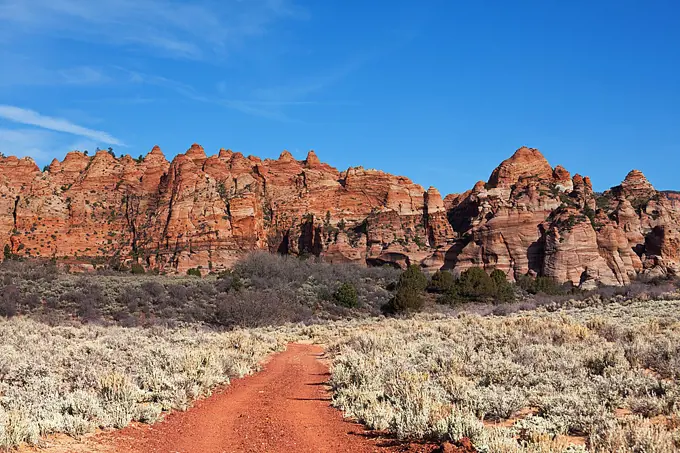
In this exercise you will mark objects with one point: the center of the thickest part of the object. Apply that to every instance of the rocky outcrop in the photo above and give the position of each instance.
(662, 245)
(206, 211)
(525, 164)
(439, 230)
(533, 219)
(636, 186)
(572, 250)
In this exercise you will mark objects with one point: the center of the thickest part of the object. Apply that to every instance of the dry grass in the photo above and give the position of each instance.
(607, 374)
(76, 379)
(444, 378)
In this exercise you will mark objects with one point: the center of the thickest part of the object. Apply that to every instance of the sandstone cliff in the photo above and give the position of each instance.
(206, 211)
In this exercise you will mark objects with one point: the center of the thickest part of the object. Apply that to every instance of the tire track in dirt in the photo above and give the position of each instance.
(283, 408)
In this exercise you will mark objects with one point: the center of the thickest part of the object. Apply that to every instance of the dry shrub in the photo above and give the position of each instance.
(419, 377)
(76, 379)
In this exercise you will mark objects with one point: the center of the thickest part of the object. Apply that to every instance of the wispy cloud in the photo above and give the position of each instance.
(32, 118)
(265, 102)
(256, 108)
(303, 88)
(33, 143)
(174, 28)
(40, 144)
(135, 100)
(33, 70)
(83, 75)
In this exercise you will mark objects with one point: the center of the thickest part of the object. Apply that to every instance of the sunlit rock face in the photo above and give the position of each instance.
(207, 211)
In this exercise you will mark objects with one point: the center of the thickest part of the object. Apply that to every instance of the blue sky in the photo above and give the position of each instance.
(439, 91)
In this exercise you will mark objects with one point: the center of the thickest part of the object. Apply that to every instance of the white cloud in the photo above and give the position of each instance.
(83, 75)
(304, 87)
(41, 145)
(175, 28)
(34, 70)
(30, 117)
(269, 110)
(26, 142)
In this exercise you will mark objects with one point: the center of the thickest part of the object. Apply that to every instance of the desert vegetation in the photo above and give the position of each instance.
(265, 289)
(78, 378)
(530, 366)
(600, 378)
(262, 289)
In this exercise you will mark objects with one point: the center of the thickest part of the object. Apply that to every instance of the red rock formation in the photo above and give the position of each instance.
(636, 185)
(572, 251)
(439, 230)
(582, 191)
(531, 219)
(526, 163)
(562, 179)
(663, 247)
(206, 211)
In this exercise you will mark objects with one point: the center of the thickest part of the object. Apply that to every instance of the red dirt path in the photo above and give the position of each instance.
(283, 408)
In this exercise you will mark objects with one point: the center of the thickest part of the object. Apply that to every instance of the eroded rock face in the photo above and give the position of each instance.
(636, 185)
(200, 210)
(572, 251)
(531, 219)
(206, 211)
(525, 164)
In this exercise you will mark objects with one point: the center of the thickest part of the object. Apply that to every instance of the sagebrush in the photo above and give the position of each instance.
(573, 372)
(76, 379)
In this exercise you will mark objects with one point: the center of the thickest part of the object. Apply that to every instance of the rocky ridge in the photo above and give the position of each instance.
(206, 211)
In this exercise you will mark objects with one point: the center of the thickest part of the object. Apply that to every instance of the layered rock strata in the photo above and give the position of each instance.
(207, 211)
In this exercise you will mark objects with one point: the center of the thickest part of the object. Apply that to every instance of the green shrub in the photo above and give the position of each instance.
(346, 295)
(505, 292)
(413, 277)
(8, 252)
(406, 300)
(236, 283)
(475, 285)
(525, 282)
(230, 281)
(412, 283)
(602, 202)
(544, 285)
(137, 269)
(441, 281)
(194, 272)
(499, 277)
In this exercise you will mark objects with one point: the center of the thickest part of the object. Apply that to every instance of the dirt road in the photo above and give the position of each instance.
(283, 408)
